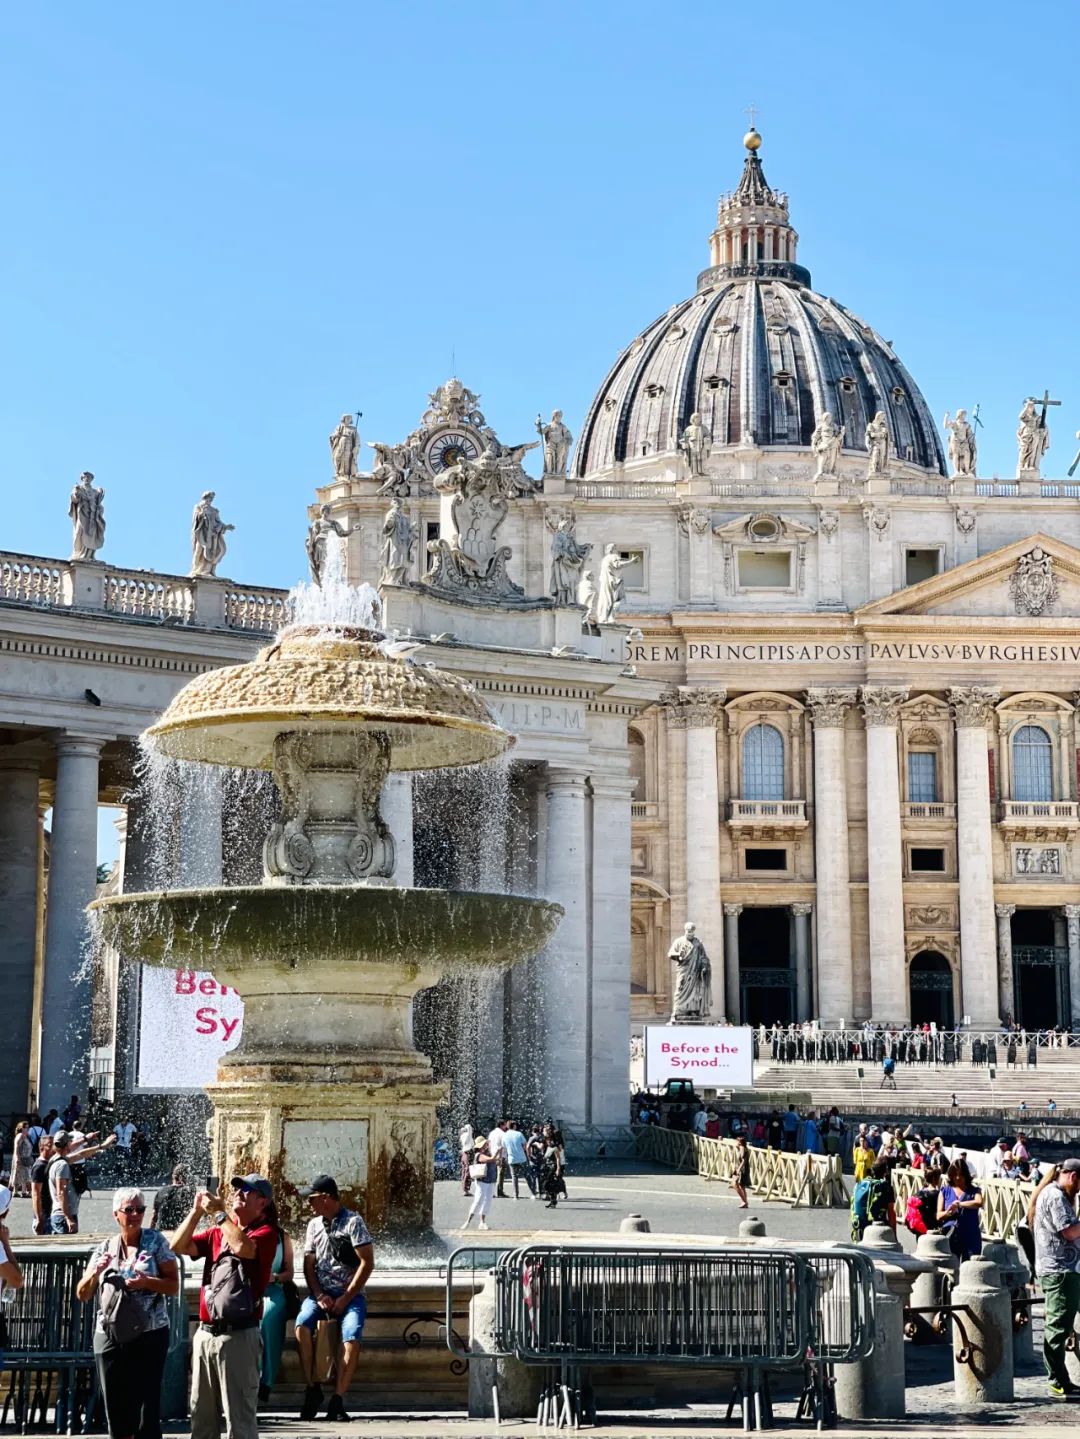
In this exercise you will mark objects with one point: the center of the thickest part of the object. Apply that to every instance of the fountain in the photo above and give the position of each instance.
(327, 952)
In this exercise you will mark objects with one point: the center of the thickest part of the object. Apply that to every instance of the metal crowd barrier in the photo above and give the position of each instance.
(754, 1311)
(48, 1363)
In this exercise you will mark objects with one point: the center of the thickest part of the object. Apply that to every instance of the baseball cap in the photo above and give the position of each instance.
(1071, 1166)
(61, 1139)
(5, 1199)
(256, 1183)
(321, 1184)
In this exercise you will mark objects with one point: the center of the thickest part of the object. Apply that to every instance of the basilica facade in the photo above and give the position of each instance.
(859, 778)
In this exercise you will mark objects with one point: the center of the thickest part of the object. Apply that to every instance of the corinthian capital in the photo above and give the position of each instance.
(973, 706)
(688, 708)
(881, 703)
(829, 707)
(1004, 911)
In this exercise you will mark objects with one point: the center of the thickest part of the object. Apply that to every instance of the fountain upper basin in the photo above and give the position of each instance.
(245, 927)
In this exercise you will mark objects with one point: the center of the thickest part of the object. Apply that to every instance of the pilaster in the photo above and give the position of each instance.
(829, 709)
(888, 973)
(19, 781)
(1072, 930)
(731, 962)
(973, 708)
(1006, 997)
(565, 1032)
(609, 949)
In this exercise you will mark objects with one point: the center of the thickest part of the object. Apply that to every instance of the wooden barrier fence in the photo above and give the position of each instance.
(1004, 1201)
(813, 1179)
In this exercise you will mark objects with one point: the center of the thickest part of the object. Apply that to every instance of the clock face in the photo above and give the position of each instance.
(448, 447)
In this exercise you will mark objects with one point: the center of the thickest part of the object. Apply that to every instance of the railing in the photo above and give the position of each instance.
(262, 610)
(612, 490)
(139, 594)
(919, 487)
(921, 809)
(767, 811)
(1000, 489)
(31, 580)
(813, 1179)
(1005, 1201)
(643, 809)
(1022, 811)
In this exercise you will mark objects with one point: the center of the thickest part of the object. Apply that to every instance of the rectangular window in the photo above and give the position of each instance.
(922, 777)
(633, 576)
(928, 861)
(921, 565)
(431, 533)
(766, 859)
(765, 569)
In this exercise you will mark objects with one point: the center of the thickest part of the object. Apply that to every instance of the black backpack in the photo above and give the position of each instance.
(230, 1298)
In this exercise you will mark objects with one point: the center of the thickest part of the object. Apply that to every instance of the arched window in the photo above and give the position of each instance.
(637, 763)
(763, 763)
(1032, 764)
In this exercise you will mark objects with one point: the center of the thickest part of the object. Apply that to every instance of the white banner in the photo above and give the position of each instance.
(711, 1056)
(187, 1022)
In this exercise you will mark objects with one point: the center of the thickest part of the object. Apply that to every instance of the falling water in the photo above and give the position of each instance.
(335, 601)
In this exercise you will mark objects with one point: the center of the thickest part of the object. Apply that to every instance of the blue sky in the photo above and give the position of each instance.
(226, 224)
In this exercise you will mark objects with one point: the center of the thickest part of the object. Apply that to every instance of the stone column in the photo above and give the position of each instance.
(803, 1002)
(564, 971)
(1072, 922)
(396, 806)
(1006, 998)
(65, 1010)
(731, 962)
(828, 708)
(19, 776)
(888, 989)
(697, 711)
(979, 976)
(609, 951)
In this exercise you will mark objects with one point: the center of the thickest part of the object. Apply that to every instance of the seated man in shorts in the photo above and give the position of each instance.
(338, 1260)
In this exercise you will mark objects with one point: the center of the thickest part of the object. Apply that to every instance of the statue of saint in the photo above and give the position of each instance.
(399, 540)
(586, 597)
(344, 443)
(693, 981)
(207, 538)
(877, 444)
(609, 589)
(1033, 438)
(319, 531)
(391, 470)
(87, 511)
(694, 443)
(557, 440)
(567, 558)
(961, 443)
(826, 442)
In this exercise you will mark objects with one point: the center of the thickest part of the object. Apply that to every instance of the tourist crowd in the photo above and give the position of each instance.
(917, 1044)
(536, 1160)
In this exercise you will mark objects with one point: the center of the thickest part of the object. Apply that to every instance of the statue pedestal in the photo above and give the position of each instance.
(827, 486)
(84, 585)
(1030, 482)
(878, 485)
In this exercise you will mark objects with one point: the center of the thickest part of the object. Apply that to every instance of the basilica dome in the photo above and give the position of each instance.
(758, 353)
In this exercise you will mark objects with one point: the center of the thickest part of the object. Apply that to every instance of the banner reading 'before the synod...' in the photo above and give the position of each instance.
(187, 1022)
(711, 1056)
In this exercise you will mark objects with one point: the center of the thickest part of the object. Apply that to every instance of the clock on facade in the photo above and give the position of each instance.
(447, 447)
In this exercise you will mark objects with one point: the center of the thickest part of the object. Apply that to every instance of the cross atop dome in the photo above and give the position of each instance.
(753, 234)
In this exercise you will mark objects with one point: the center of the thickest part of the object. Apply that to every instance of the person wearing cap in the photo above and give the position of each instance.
(1052, 1216)
(63, 1192)
(225, 1353)
(338, 1260)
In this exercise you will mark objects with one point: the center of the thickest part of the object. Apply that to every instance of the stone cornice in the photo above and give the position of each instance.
(973, 707)
(881, 704)
(828, 707)
(88, 654)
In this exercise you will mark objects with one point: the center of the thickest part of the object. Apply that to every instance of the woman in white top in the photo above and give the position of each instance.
(11, 1276)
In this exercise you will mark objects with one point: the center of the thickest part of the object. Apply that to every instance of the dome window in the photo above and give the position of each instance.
(783, 379)
(764, 528)
(654, 391)
(610, 402)
(847, 385)
(715, 382)
(898, 394)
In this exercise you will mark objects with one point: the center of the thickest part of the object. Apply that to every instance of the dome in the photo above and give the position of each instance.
(758, 353)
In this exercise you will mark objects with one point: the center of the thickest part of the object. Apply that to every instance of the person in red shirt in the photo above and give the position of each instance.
(226, 1351)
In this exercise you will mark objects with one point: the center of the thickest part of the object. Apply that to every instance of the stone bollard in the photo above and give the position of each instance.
(931, 1289)
(751, 1228)
(881, 1236)
(983, 1336)
(1014, 1276)
(518, 1384)
(634, 1224)
(873, 1388)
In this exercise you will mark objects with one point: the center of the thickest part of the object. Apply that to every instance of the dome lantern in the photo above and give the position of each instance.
(753, 235)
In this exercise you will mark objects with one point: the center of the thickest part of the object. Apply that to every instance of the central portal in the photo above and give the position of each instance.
(1040, 969)
(766, 966)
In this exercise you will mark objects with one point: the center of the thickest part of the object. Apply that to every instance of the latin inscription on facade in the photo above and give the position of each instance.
(518, 715)
(853, 652)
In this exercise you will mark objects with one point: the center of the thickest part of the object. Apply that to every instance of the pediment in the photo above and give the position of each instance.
(1034, 578)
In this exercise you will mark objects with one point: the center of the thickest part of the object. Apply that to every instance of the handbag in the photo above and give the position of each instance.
(478, 1171)
(292, 1298)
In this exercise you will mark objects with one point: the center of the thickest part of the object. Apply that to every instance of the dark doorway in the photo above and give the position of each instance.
(1040, 971)
(930, 983)
(766, 966)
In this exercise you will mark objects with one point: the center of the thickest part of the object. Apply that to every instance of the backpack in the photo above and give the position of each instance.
(230, 1298)
(870, 1201)
(915, 1214)
(79, 1180)
(123, 1317)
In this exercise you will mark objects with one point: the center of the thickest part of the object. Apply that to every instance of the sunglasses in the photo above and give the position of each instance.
(133, 1209)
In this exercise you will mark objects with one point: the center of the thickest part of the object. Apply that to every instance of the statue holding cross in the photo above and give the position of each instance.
(1033, 434)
